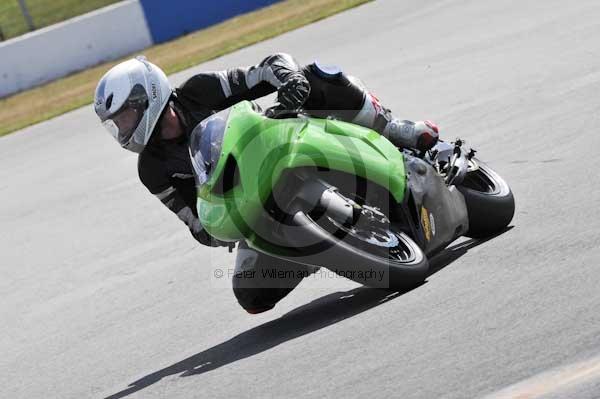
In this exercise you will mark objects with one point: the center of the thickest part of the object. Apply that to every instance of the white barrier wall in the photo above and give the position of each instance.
(78, 43)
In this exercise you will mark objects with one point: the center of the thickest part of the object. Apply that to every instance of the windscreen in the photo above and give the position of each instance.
(205, 145)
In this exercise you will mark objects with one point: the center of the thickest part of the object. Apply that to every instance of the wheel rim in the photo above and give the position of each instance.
(478, 179)
(374, 234)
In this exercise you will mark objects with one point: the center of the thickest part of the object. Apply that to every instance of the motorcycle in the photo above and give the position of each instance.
(327, 193)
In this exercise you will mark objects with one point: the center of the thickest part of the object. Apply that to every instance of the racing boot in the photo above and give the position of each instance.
(421, 135)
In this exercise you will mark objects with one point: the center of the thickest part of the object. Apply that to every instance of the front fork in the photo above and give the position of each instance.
(451, 159)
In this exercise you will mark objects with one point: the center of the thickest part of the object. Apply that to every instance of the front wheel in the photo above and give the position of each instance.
(369, 250)
(489, 199)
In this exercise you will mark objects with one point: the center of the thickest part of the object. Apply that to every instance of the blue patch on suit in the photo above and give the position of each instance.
(327, 71)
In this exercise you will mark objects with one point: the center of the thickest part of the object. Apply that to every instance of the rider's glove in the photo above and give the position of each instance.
(294, 92)
(427, 135)
(206, 239)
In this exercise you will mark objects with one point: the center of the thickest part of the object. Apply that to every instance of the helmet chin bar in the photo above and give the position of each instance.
(112, 128)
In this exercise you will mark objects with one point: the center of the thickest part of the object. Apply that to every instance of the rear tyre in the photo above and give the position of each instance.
(490, 202)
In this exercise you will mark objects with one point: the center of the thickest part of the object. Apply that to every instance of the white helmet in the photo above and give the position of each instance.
(129, 100)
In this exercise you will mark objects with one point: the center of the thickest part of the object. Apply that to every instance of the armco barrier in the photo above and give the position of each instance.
(57, 50)
(174, 18)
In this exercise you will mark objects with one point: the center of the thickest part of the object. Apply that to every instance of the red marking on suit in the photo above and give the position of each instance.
(432, 126)
(376, 104)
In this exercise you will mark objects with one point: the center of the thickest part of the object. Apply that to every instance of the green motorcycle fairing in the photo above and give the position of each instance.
(264, 148)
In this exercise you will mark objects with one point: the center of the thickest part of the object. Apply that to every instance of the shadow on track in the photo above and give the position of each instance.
(303, 320)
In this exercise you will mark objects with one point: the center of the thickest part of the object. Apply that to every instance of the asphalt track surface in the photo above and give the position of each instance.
(105, 294)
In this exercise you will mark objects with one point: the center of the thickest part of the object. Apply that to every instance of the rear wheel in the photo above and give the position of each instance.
(490, 202)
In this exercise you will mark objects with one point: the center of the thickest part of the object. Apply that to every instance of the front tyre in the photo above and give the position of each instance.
(369, 250)
(489, 199)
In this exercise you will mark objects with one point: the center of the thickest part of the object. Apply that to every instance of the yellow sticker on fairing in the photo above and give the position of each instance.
(428, 223)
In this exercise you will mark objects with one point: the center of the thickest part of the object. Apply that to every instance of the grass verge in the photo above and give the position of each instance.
(55, 98)
(43, 13)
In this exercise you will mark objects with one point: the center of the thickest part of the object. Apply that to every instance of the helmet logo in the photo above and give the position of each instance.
(154, 91)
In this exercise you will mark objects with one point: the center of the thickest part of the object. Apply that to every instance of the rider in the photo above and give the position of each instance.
(136, 103)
